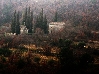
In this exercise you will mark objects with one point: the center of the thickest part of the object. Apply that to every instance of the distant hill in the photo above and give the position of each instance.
(83, 12)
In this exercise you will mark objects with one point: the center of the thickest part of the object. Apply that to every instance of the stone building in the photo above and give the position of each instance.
(23, 29)
(56, 27)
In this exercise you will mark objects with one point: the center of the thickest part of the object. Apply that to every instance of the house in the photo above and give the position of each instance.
(56, 27)
(23, 29)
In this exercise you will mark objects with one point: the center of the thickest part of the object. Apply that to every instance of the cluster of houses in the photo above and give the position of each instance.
(53, 28)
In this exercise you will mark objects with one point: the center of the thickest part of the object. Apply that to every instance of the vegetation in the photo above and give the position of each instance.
(56, 17)
(41, 22)
(74, 50)
(5, 52)
(27, 19)
(15, 26)
(37, 61)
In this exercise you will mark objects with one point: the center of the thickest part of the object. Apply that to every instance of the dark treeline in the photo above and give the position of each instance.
(27, 20)
(15, 26)
(41, 22)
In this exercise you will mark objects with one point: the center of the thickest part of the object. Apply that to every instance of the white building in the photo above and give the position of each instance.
(23, 29)
(56, 27)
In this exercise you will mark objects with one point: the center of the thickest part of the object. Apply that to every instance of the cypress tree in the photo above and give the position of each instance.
(25, 17)
(56, 17)
(45, 26)
(13, 25)
(41, 17)
(25, 14)
(28, 18)
(31, 24)
(39, 20)
(17, 24)
(37, 23)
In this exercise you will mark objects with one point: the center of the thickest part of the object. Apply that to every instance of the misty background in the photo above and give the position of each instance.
(79, 12)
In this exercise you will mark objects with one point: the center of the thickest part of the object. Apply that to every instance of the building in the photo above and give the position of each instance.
(23, 29)
(56, 27)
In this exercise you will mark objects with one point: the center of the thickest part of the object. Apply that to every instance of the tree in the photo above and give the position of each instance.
(65, 53)
(21, 63)
(93, 1)
(37, 23)
(27, 19)
(45, 26)
(51, 62)
(31, 24)
(30, 21)
(64, 43)
(6, 11)
(56, 17)
(24, 17)
(41, 16)
(66, 56)
(41, 19)
(41, 22)
(37, 59)
(7, 41)
(86, 59)
(5, 52)
(81, 44)
(17, 25)
(13, 25)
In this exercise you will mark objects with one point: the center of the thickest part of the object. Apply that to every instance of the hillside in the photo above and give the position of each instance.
(79, 12)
